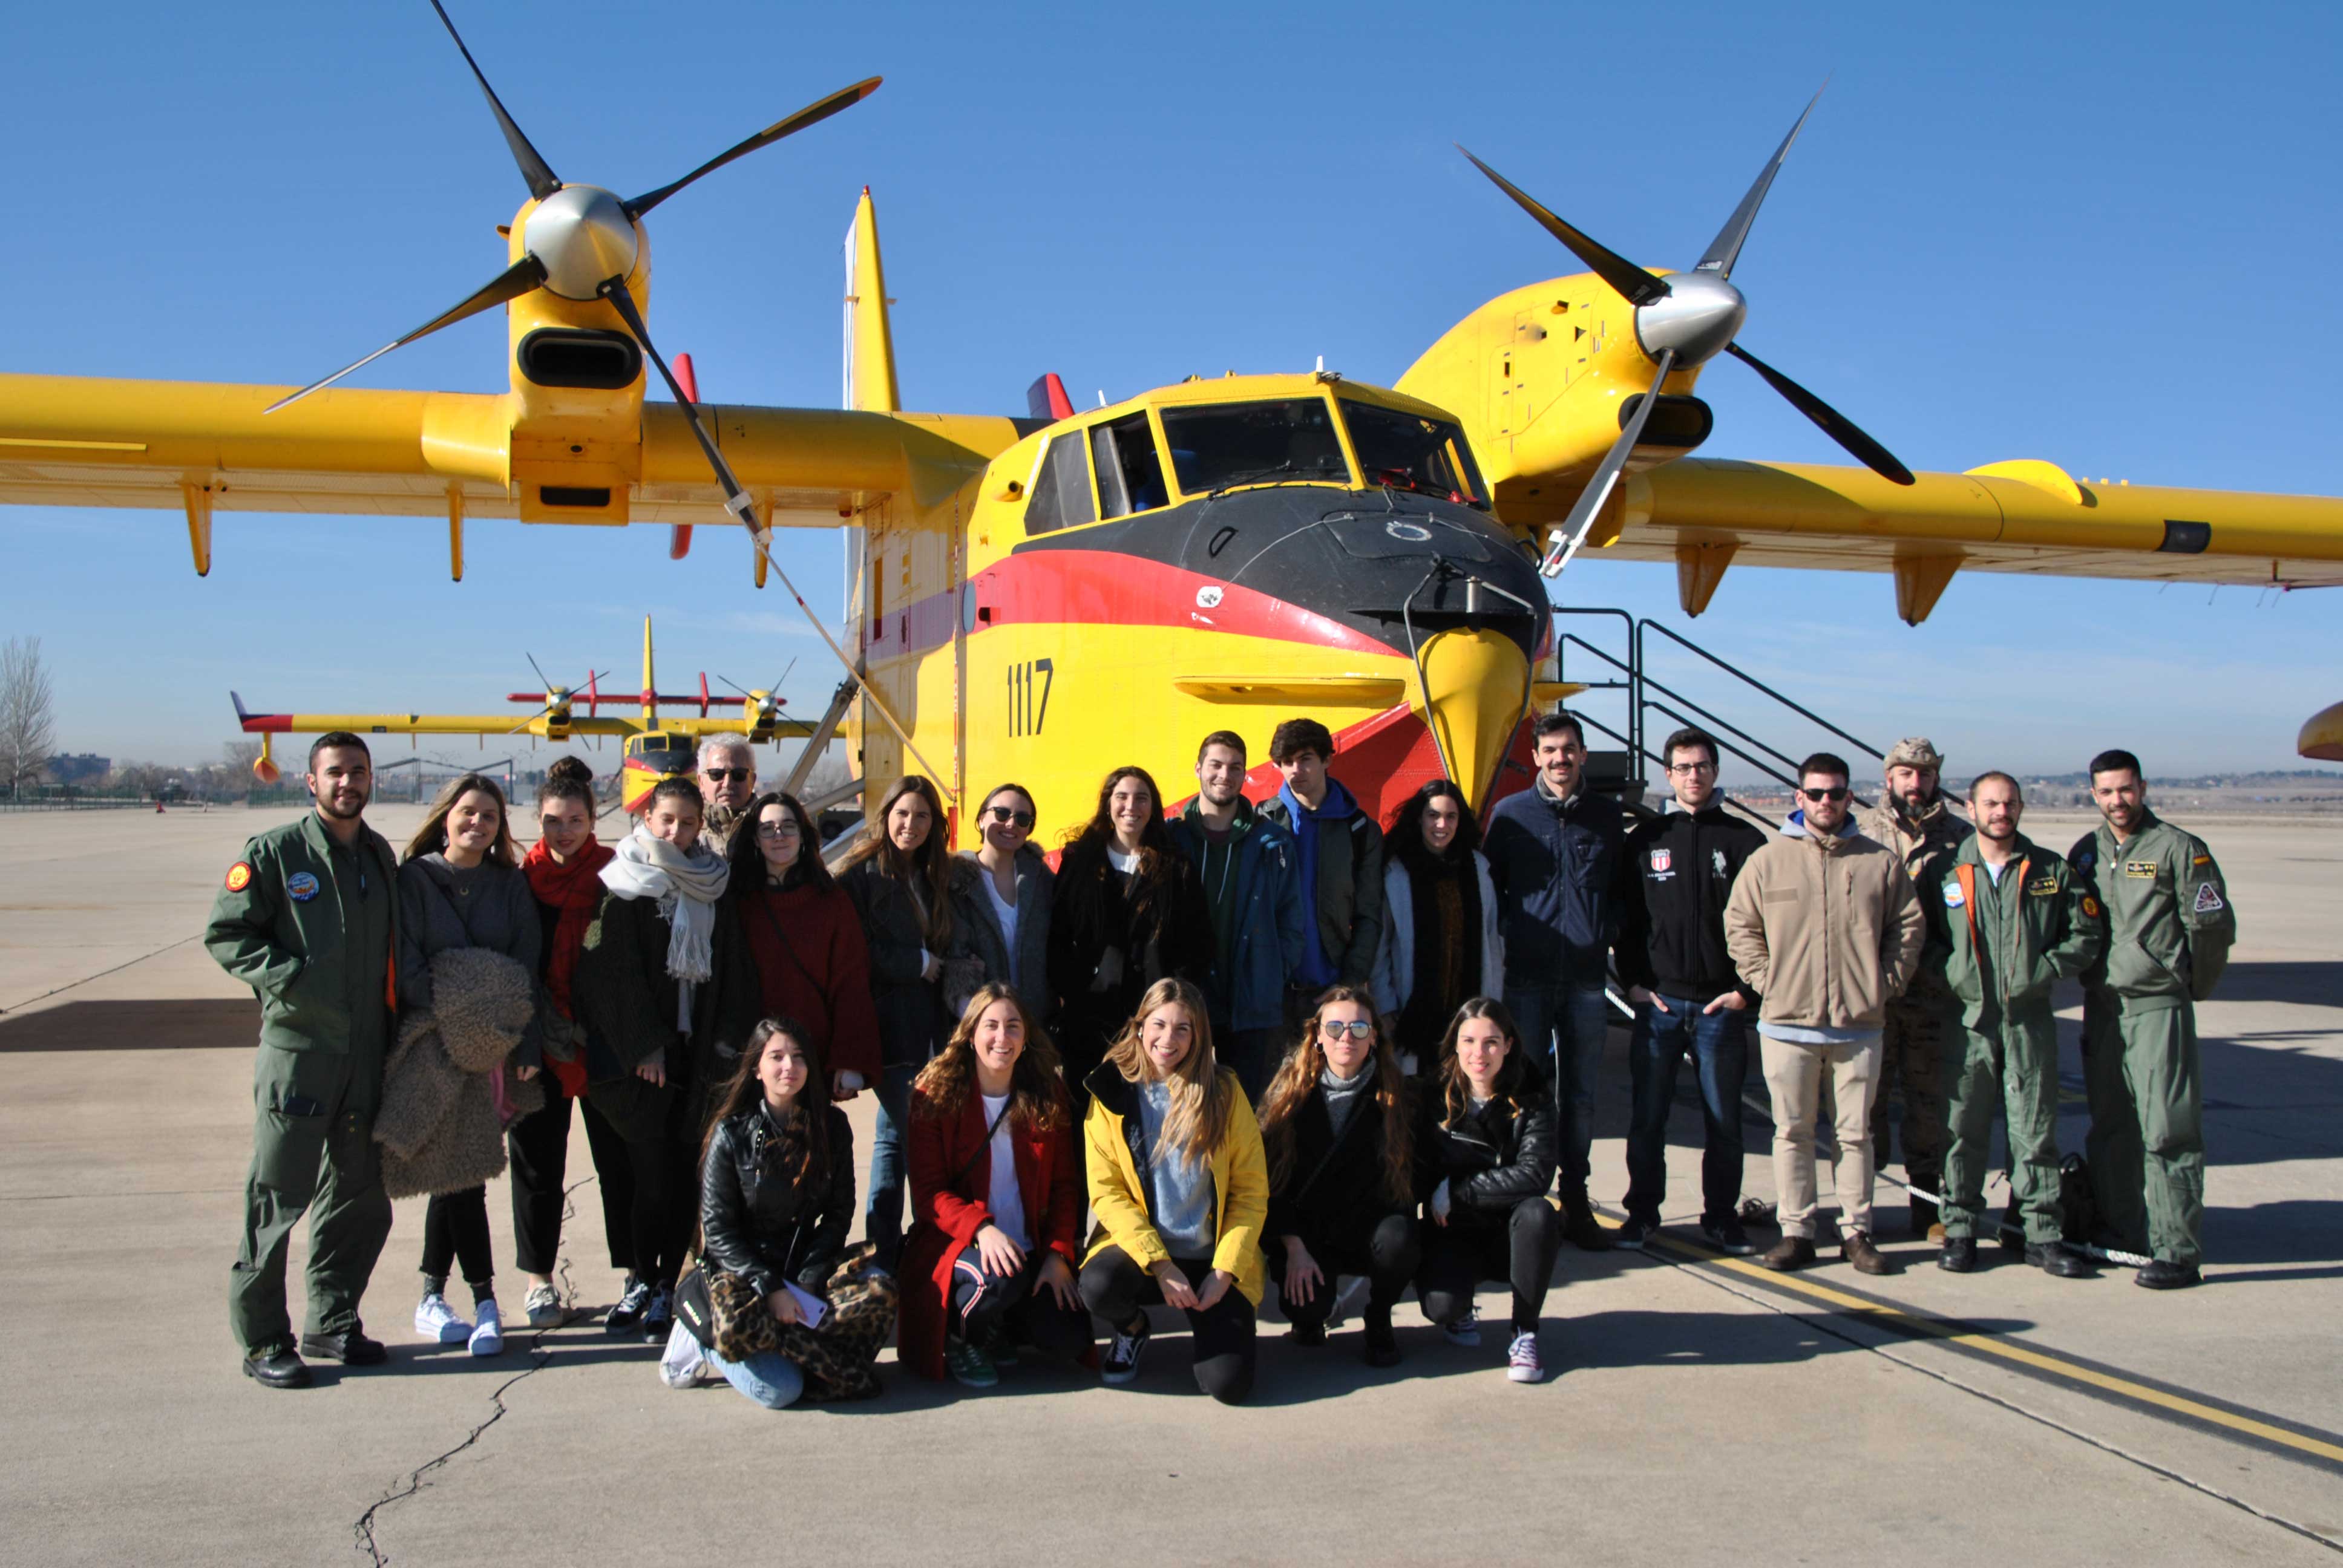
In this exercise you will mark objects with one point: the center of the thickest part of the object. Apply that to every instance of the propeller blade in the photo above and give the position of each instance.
(1633, 283)
(538, 667)
(1606, 475)
(1725, 248)
(744, 512)
(813, 113)
(1829, 421)
(507, 285)
(542, 182)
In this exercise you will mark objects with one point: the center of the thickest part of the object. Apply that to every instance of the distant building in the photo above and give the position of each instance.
(86, 768)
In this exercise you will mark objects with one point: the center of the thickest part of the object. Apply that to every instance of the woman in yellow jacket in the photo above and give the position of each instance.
(1179, 1192)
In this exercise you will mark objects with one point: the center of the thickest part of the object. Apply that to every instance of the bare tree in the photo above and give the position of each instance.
(239, 756)
(28, 729)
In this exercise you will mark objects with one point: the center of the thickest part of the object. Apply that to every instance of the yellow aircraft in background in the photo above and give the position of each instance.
(1043, 598)
(652, 748)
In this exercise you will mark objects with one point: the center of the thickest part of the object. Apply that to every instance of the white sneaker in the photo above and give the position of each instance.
(543, 1307)
(436, 1320)
(1465, 1331)
(684, 1364)
(488, 1334)
(1522, 1361)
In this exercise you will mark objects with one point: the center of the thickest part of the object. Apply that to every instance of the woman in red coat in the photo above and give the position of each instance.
(996, 1201)
(812, 961)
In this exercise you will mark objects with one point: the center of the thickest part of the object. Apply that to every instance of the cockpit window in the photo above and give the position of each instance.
(1411, 452)
(1062, 489)
(1217, 445)
(1130, 476)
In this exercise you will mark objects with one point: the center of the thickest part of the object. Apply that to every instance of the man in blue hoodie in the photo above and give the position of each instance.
(1246, 865)
(1555, 854)
(1340, 854)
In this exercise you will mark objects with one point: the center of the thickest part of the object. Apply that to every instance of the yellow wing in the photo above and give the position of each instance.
(2019, 517)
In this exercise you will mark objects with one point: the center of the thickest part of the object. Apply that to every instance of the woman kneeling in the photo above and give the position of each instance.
(1484, 1158)
(795, 1312)
(1179, 1192)
(997, 1211)
(1336, 1126)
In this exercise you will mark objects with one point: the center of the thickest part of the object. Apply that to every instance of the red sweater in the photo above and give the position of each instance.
(813, 966)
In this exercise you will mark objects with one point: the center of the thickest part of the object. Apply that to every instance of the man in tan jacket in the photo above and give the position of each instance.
(1825, 925)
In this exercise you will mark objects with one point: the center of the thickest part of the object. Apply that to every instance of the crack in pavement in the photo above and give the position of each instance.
(541, 1354)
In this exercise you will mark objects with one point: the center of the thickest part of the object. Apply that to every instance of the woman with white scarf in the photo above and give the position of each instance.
(662, 963)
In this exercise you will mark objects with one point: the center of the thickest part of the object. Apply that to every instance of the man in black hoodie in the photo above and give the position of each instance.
(1671, 953)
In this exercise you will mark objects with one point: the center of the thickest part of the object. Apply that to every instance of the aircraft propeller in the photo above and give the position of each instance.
(579, 238)
(559, 697)
(760, 709)
(1682, 321)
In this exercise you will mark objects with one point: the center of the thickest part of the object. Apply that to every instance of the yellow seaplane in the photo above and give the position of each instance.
(652, 748)
(1040, 598)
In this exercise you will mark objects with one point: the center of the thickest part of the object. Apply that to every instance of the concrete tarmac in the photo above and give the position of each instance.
(1695, 1409)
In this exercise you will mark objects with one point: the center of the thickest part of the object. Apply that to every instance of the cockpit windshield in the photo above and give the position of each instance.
(1217, 445)
(1412, 452)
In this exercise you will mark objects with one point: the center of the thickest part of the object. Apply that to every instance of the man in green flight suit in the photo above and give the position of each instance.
(2019, 919)
(306, 918)
(2170, 925)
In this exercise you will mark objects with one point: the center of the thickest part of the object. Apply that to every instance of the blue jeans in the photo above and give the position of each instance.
(1563, 1030)
(768, 1377)
(1719, 1044)
(882, 1209)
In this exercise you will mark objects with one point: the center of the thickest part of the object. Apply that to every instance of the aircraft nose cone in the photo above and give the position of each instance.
(583, 236)
(1697, 317)
(1478, 685)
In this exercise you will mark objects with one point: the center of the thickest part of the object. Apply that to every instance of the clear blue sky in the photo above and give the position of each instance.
(2099, 236)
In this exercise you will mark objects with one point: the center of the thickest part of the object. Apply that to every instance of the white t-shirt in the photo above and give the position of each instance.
(1124, 863)
(1993, 870)
(1007, 1203)
(1004, 910)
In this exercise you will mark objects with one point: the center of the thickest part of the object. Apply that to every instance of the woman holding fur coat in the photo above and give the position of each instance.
(662, 969)
(468, 934)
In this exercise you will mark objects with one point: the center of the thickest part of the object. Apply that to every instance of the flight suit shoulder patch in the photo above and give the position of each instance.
(2090, 907)
(301, 886)
(2208, 899)
(1953, 899)
(239, 876)
(2201, 859)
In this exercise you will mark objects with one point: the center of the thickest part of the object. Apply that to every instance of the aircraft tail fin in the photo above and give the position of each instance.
(1047, 400)
(869, 365)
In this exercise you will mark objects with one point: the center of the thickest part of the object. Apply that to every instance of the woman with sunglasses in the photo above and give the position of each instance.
(1005, 902)
(1441, 946)
(812, 963)
(1130, 912)
(1483, 1162)
(1335, 1126)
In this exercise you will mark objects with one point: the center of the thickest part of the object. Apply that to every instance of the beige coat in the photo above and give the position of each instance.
(1827, 931)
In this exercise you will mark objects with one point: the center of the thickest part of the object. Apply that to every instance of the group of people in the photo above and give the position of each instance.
(1181, 1058)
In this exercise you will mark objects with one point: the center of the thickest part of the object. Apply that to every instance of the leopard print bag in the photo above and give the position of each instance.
(835, 1358)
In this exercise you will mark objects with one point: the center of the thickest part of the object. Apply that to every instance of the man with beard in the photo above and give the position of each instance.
(1247, 865)
(2020, 920)
(2170, 925)
(1916, 819)
(306, 918)
(728, 783)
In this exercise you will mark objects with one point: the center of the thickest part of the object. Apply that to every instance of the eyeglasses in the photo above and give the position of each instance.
(1692, 767)
(1819, 796)
(1004, 816)
(718, 775)
(1357, 1029)
(779, 830)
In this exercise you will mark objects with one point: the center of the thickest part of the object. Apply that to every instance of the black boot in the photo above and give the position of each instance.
(1960, 1256)
(1579, 1225)
(1382, 1343)
(2055, 1259)
(2164, 1274)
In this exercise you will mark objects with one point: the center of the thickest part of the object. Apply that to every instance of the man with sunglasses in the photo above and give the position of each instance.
(1826, 926)
(1923, 1041)
(728, 783)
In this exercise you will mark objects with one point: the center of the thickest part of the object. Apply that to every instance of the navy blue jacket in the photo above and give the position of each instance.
(1556, 868)
(1269, 934)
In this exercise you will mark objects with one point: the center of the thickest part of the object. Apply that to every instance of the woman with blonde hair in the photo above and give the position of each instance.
(1180, 1191)
(460, 886)
(996, 1203)
(901, 879)
(1336, 1126)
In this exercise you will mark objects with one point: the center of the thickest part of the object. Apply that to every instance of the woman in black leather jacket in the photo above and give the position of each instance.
(1484, 1159)
(794, 1313)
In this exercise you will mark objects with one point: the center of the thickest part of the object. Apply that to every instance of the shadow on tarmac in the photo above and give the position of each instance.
(210, 1023)
(2306, 982)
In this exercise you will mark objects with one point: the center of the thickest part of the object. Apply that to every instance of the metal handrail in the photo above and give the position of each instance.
(1798, 709)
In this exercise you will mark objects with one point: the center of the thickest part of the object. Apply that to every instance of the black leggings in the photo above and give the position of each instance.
(1388, 1256)
(1116, 1288)
(455, 1230)
(1457, 1258)
(982, 1305)
(539, 1145)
